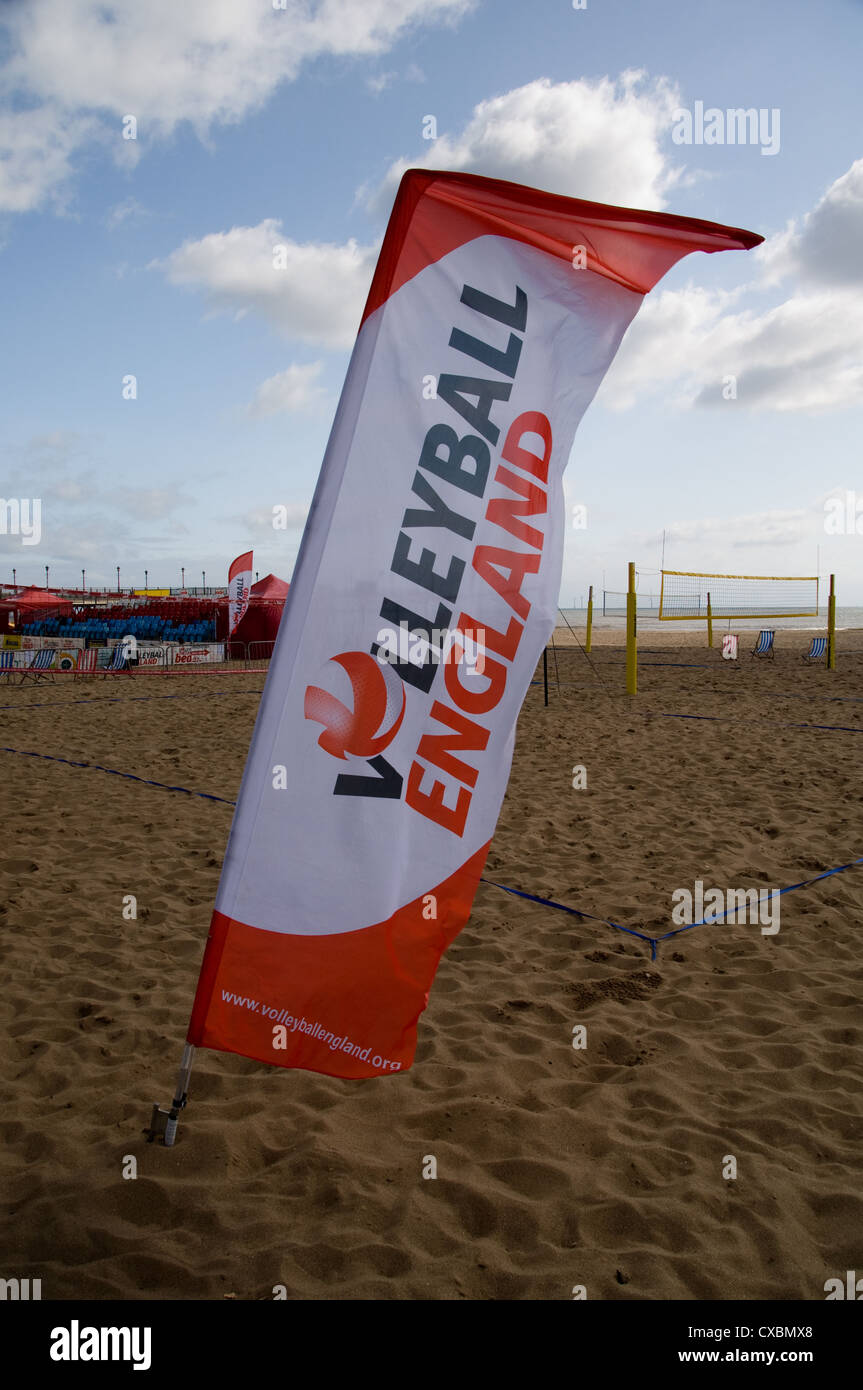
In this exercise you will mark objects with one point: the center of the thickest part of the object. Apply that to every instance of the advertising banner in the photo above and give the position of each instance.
(376, 774)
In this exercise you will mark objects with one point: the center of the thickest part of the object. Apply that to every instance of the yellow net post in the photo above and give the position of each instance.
(589, 619)
(709, 621)
(631, 652)
(831, 625)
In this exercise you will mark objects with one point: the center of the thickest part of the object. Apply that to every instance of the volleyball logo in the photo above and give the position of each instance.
(368, 723)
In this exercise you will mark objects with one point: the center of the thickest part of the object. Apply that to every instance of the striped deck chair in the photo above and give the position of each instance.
(118, 665)
(764, 645)
(817, 650)
(87, 662)
(7, 665)
(40, 666)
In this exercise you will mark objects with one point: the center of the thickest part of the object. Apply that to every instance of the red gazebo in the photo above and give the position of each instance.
(30, 604)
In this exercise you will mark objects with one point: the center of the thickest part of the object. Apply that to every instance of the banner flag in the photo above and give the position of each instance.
(239, 587)
(425, 589)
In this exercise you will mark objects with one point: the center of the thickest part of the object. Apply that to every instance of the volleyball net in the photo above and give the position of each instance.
(614, 604)
(685, 595)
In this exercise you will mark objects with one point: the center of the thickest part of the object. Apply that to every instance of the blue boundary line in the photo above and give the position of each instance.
(573, 911)
(787, 695)
(729, 719)
(128, 699)
(130, 776)
(653, 941)
(804, 883)
(682, 665)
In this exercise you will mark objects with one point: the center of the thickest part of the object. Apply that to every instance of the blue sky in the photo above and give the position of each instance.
(258, 126)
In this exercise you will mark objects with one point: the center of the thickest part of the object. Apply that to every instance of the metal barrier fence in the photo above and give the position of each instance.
(145, 656)
(232, 656)
(248, 653)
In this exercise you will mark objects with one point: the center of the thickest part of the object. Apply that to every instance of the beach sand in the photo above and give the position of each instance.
(556, 1167)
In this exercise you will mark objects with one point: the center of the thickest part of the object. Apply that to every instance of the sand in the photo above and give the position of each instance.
(556, 1167)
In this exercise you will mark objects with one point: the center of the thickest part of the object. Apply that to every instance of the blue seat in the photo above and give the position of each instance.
(817, 650)
(764, 645)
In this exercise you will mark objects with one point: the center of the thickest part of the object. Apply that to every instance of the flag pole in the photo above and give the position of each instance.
(166, 1121)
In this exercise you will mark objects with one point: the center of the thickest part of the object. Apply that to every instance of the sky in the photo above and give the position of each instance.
(163, 390)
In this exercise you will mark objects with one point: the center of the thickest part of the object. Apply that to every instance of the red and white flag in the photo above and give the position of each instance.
(239, 588)
(382, 747)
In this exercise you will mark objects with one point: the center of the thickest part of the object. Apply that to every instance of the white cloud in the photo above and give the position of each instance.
(380, 83)
(665, 343)
(598, 139)
(313, 291)
(130, 210)
(805, 353)
(774, 527)
(825, 248)
(60, 461)
(382, 80)
(606, 141)
(36, 150)
(72, 490)
(294, 389)
(147, 503)
(66, 467)
(82, 65)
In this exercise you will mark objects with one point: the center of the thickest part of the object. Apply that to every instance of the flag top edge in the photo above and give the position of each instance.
(481, 206)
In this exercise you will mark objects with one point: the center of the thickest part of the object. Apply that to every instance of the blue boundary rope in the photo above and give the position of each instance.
(573, 911)
(653, 941)
(129, 699)
(729, 719)
(804, 883)
(130, 776)
(681, 665)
